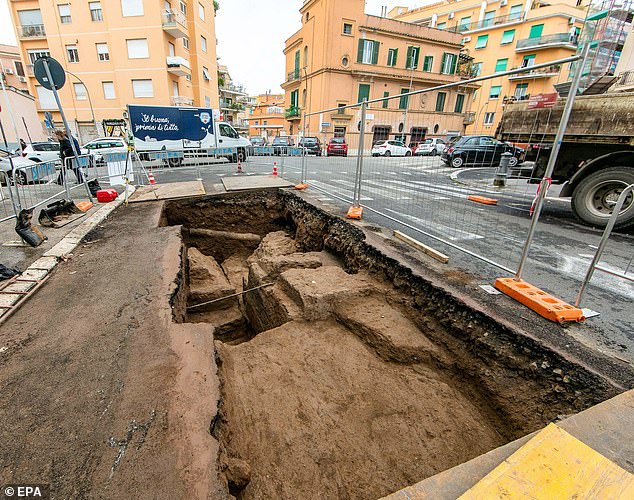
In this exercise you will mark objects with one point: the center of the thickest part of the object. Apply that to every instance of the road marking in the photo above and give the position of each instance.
(343, 192)
(439, 228)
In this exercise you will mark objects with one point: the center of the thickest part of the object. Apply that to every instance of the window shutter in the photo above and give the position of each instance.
(454, 62)
(375, 52)
(395, 57)
(442, 64)
(360, 51)
(416, 54)
(408, 61)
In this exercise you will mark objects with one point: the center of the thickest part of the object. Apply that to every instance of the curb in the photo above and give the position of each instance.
(19, 291)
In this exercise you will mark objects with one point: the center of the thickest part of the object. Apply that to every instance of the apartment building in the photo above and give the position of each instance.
(342, 56)
(501, 35)
(233, 100)
(12, 68)
(267, 116)
(119, 52)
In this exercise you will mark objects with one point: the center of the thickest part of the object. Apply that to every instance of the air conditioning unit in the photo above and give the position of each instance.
(8, 71)
(466, 39)
(451, 15)
(22, 79)
(125, 115)
(503, 3)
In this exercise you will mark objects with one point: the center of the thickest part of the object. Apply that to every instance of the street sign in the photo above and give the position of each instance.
(539, 101)
(57, 73)
(48, 120)
(325, 124)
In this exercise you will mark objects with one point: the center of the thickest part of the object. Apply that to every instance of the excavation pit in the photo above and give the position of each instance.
(345, 374)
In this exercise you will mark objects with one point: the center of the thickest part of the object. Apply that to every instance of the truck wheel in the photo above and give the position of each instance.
(241, 155)
(595, 196)
(175, 162)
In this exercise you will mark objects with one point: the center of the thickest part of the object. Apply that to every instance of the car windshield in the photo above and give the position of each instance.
(280, 140)
(428, 141)
(310, 140)
(381, 143)
(338, 140)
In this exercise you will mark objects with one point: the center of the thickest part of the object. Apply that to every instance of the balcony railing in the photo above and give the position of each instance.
(487, 23)
(175, 23)
(32, 31)
(556, 39)
(293, 75)
(232, 87)
(178, 65)
(469, 118)
(545, 72)
(231, 105)
(179, 100)
(293, 112)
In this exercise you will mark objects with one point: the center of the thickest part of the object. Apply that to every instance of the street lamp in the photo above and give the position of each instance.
(92, 111)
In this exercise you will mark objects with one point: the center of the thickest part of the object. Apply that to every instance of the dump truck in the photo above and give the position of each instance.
(596, 160)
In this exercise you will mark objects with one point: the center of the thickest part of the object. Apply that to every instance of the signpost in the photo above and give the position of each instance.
(540, 101)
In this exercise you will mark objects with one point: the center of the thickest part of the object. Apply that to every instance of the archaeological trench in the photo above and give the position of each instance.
(343, 373)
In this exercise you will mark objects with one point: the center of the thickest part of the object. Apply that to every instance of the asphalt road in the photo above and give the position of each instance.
(425, 199)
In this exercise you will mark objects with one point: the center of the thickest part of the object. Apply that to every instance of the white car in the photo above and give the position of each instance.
(391, 148)
(42, 151)
(430, 146)
(26, 170)
(104, 145)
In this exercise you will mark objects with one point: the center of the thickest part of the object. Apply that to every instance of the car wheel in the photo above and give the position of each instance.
(20, 177)
(434, 152)
(513, 161)
(457, 162)
(408, 153)
(388, 153)
(174, 162)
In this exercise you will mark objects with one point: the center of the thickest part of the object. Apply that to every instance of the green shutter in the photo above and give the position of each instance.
(459, 103)
(375, 52)
(417, 52)
(296, 61)
(440, 101)
(360, 50)
(500, 65)
(428, 63)
(442, 63)
(536, 31)
(454, 63)
(495, 91)
(404, 100)
(364, 92)
(482, 41)
(385, 103)
(408, 61)
(395, 57)
(507, 37)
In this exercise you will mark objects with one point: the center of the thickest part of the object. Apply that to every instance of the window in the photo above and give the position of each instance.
(364, 92)
(201, 11)
(294, 98)
(188, 78)
(495, 91)
(138, 49)
(500, 65)
(464, 23)
(206, 75)
(80, 91)
(34, 55)
(385, 103)
(297, 63)
(207, 101)
(96, 13)
(30, 17)
(186, 42)
(131, 8)
(488, 19)
(536, 31)
(516, 12)
(142, 88)
(448, 65)
(175, 89)
(46, 98)
(203, 43)
(102, 52)
(171, 49)
(368, 52)
(403, 102)
(459, 103)
(441, 26)
(412, 57)
(19, 69)
(183, 7)
(72, 54)
(488, 118)
(428, 63)
(521, 90)
(108, 90)
(440, 101)
(528, 60)
(392, 56)
(476, 69)
(482, 41)
(347, 29)
(64, 13)
(507, 37)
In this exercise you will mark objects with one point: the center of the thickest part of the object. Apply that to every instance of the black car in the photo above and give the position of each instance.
(257, 141)
(311, 144)
(479, 150)
(281, 145)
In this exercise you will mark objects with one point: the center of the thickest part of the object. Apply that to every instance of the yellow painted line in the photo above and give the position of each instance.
(555, 465)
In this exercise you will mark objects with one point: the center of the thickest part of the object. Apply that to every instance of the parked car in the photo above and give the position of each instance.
(104, 145)
(257, 141)
(42, 151)
(476, 150)
(281, 144)
(26, 170)
(311, 144)
(337, 147)
(391, 148)
(431, 146)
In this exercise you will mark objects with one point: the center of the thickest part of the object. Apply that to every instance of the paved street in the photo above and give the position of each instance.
(431, 200)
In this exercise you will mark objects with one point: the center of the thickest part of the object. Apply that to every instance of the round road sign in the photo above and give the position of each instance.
(58, 74)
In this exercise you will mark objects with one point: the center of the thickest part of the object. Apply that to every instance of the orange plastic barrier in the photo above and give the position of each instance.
(355, 213)
(482, 199)
(84, 206)
(539, 301)
(301, 187)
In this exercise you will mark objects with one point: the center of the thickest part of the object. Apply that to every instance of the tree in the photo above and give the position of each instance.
(216, 5)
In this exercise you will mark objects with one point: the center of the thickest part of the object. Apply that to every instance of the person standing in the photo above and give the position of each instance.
(66, 151)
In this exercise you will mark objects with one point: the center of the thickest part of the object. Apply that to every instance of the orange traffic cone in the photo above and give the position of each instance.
(150, 177)
(274, 169)
(239, 167)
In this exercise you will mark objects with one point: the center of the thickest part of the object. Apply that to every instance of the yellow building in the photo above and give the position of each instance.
(267, 118)
(341, 56)
(124, 52)
(501, 35)
(233, 100)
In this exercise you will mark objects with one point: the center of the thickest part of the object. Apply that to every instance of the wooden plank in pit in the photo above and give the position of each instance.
(240, 183)
(432, 252)
(168, 191)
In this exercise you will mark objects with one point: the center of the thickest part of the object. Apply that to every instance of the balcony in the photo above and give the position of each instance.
(178, 66)
(293, 75)
(231, 106)
(547, 72)
(341, 114)
(174, 23)
(556, 40)
(625, 81)
(179, 100)
(232, 88)
(31, 31)
(293, 113)
(469, 118)
(487, 23)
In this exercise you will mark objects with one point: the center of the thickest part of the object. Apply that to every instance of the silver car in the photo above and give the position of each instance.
(431, 146)
(26, 171)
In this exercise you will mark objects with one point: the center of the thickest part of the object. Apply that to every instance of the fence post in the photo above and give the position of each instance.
(302, 179)
(356, 211)
(503, 170)
(543, 186)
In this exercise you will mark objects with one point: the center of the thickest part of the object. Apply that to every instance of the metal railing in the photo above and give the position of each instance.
(541, 72)
(32, 31)
(487, 23)
(172, 18)
(293, 112)
(177, 62)
(553, 39)
(182, 101)
(626, 78)
(293, 75)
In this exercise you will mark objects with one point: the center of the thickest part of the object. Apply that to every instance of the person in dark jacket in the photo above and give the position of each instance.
(66, 151)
